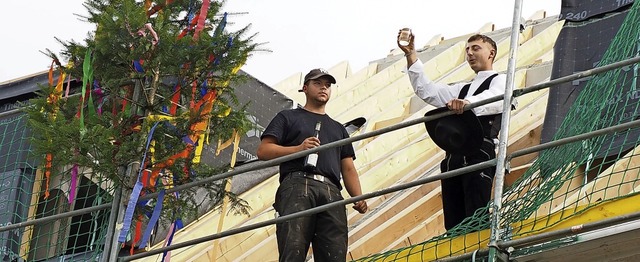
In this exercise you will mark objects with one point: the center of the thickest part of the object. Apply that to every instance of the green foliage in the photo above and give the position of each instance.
(127, 103)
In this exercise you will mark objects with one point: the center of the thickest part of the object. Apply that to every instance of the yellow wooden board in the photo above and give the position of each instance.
(558, 220)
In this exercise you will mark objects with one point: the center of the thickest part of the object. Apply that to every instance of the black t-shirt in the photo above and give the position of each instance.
(291, 127)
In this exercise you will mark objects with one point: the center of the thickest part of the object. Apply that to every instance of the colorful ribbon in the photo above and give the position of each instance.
(153, 220)
(166, 256)
(202, 18)
(74, 183)
(133, 199)
(87, 78)
(52, 99)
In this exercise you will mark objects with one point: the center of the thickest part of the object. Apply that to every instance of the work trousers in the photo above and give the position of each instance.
(326, 231)
(462, 195)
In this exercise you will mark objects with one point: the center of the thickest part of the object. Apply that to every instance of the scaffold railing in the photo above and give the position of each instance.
(551, 184)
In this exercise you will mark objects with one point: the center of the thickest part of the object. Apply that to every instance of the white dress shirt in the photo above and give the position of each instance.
(439, 94)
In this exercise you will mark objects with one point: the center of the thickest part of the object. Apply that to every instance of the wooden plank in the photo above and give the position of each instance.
(265, 250)
(433, 251)
(535, 47)
(386, 170)
(383, 89)
(432, 227)
(239, 244)
(531, 139)
(617, 180)
(558, 199)
(388, 212)
(259, 198)
(410, 175)
(598, 189)
(525, 130)
(382, 236)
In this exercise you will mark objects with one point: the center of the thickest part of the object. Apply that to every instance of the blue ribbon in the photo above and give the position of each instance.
(137, 66)
(176, 226)
(203, 88)
(221, 26)
(153, 220)
(133, 199)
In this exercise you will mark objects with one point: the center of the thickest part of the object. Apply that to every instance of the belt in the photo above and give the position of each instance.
(316, 177)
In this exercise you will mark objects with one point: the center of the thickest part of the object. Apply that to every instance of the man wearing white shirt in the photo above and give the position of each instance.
(463, 195)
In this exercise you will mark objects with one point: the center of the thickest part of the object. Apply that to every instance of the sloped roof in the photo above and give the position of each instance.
(382, 94)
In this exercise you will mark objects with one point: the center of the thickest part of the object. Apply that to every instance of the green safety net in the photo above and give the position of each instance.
(22, 198)
(574, 182)
(568, 180)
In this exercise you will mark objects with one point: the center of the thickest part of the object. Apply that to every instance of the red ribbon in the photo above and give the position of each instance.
(202, 17)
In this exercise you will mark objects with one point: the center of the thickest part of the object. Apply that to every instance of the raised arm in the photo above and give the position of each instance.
(409, 50)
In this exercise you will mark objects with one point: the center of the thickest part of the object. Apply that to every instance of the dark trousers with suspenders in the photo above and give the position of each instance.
(464, 194)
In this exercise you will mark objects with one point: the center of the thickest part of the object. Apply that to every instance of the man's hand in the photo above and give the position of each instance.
(457, 105)
(407, 49)
(360, 206)
(310, 142)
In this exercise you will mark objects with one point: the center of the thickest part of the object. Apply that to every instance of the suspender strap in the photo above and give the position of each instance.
(484, 86)
(490, 123)
(464, 91)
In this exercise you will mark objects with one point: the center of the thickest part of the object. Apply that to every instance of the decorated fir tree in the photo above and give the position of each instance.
(156, 86)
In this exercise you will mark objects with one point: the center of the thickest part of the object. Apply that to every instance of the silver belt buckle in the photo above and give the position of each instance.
(318, 177)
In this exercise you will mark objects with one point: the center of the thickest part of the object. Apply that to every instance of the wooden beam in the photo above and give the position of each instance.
(474, 240)
(432, 227)
(392, 229)
(33, 205)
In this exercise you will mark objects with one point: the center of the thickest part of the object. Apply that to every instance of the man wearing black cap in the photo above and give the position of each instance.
(467, 137)
(304, 187)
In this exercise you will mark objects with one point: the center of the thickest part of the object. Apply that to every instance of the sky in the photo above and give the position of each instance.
(299, 34)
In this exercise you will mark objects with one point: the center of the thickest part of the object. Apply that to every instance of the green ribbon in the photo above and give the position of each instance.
(87, 79)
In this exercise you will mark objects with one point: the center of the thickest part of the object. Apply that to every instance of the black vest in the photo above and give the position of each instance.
(490, 123)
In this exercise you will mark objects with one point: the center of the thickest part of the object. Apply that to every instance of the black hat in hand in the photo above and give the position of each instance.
(457, 133)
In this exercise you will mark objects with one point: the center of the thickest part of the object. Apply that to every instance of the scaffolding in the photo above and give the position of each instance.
(104, 204)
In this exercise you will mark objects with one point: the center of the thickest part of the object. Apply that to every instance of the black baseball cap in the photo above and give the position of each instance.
(317, 73)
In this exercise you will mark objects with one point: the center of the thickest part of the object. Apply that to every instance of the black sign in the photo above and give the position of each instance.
(264, 103)
(579, 10)
(581, 46)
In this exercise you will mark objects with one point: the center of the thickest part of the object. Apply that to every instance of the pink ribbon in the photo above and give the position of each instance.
(143, 32)
(167, 255)
(74, 183)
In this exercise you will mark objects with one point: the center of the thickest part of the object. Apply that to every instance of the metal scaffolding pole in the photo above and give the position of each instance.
(498, 185)
(265, 164)
(109, 245)
(428, 179)
(274, 162)
(547, 236)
